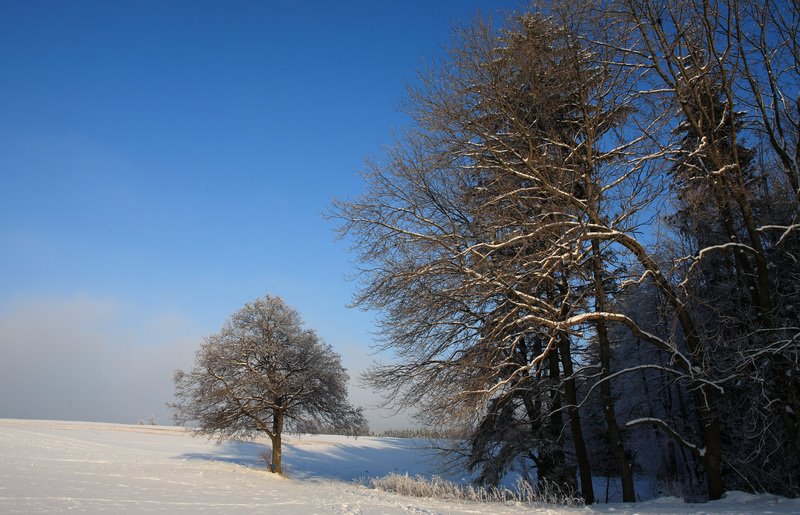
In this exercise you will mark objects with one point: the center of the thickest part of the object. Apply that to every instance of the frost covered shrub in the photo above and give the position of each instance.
(440, 488)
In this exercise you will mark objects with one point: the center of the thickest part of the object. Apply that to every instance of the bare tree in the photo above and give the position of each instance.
(263, 373)
(469, 231)
(503, 230)
(729, 71)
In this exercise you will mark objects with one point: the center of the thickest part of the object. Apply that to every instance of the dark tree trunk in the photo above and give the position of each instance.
(560, 472)
(712, 454)
(703, 394)
(620, 456)
(570, 392)
(277, 429)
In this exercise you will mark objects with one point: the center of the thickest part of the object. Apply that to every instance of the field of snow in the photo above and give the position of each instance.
(53, 467)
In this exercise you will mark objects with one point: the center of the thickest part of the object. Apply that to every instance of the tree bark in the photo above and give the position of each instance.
(704, 398)
(620, 456)
(277, 429)
(571, 394)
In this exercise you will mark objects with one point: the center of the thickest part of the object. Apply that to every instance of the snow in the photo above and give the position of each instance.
(55, 466)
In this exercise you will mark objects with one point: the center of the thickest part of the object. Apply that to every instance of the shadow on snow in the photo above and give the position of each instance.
(247, 454)
(307, 457)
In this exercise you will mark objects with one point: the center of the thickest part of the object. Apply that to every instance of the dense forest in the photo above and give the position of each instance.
(584, 250)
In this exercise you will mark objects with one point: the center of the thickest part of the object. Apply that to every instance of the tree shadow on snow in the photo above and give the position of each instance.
(349, 462)
(304, 458)
(247, 454)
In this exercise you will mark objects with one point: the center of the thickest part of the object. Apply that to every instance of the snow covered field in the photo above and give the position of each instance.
(52, 466)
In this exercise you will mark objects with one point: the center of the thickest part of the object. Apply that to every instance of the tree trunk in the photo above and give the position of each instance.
(562, 473)
(550, 459)
(703, 394)
(620, 456)
(277, 429)
(712, 455)
(570, 392)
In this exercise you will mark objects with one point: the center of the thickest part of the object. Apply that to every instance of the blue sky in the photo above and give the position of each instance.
(162, 163)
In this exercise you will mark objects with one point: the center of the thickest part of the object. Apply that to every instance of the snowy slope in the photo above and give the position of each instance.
(49, 466)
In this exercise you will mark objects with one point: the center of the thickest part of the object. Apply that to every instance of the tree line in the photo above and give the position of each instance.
(584, 250)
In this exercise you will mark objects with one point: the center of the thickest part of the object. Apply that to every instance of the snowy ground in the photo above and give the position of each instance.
(49, 466)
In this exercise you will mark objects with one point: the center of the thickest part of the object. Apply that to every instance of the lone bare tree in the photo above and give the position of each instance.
(261, 373)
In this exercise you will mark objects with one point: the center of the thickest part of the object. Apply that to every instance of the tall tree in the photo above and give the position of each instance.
(730, 72)
(477, 216)
(507, 228)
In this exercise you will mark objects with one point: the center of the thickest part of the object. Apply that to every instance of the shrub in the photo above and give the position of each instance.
(439, 488)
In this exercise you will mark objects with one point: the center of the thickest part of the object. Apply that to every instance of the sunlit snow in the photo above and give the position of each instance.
(53, 466)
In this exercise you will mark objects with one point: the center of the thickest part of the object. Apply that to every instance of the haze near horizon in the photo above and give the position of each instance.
(165, 163)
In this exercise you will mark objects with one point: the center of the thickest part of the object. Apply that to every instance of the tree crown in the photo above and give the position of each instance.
(264, 364)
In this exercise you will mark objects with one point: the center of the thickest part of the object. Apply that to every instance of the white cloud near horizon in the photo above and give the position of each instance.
(84, 358)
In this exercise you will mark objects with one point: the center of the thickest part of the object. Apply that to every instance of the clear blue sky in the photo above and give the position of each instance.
(164, 162)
